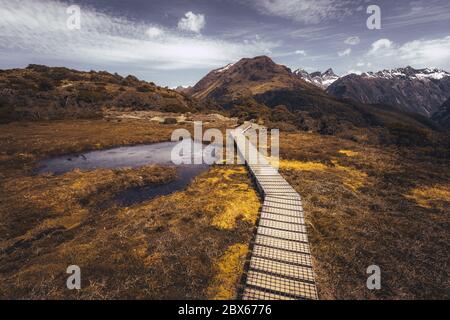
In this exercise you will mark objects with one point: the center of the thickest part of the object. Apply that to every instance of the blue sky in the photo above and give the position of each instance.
(177, 42)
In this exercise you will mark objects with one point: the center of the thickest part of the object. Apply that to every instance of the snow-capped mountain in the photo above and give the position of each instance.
(414, 90)
(322, 80)
(409, 73)
(182, 89)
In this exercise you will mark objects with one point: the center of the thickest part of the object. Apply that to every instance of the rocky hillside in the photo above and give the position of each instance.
(421, 91)
(442, 116)
(40, 92)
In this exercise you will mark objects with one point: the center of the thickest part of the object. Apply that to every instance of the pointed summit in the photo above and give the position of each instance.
(329, 72)
(319, 79)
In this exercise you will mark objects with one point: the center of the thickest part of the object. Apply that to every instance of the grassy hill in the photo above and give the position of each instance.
(40, 92)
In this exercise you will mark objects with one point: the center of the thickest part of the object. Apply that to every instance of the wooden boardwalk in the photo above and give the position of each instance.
(280, 266)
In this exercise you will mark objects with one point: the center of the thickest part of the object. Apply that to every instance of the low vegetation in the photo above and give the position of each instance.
(367, 205)
(190, 244)
(364, 205)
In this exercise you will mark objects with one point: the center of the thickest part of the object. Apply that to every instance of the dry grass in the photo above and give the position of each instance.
(171, 247)
(53, 137)
(431, 197)
(228, 273)
(244, 205)
(364, 205)
(301, 166)
(387, 207)
(349, 153)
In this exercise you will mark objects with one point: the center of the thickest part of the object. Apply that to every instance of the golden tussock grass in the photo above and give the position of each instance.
(349, 153)
(301, 166)
(351, 177)
(431, 197)
(229, 270)
(385, 206)
(171, 247)
(243, 205)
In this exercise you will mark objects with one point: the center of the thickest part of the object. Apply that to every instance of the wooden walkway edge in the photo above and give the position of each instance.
(280, 266)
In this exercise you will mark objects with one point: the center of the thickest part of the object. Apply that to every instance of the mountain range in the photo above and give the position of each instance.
(421, 91)
(252, 88)
(258, 88)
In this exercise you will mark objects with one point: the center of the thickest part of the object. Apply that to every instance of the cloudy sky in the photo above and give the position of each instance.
(176, 42)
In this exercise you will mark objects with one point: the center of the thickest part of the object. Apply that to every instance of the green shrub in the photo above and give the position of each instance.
(407, 135)
(143, 89)
(91, 96)
(175, 108)
(45, 85)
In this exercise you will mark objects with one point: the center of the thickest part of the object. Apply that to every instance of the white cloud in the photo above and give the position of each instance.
(428, 52)
(380, 45)
(192, 22)
(36, 31)
(306, 11)
(417, 53)
(360, 64)
(345, 53)
(358, 72)
(301, 52)
(154, 32)
(352, 40)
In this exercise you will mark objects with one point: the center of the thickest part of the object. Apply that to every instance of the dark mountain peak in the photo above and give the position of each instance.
(319, 79)
(329, 72)
(258, 59)
(260, 64)
(249, 65)
(301, 73)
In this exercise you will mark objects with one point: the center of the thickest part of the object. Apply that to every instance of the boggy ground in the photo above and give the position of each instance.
(190, 244)
(364, 205)
(371, 206)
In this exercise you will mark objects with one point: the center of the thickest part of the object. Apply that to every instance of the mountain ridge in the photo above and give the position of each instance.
(412, 90)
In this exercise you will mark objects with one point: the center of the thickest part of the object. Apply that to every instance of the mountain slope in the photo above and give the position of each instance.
(442, 116)
(422, 91)
(40, 92)
(247, 77)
